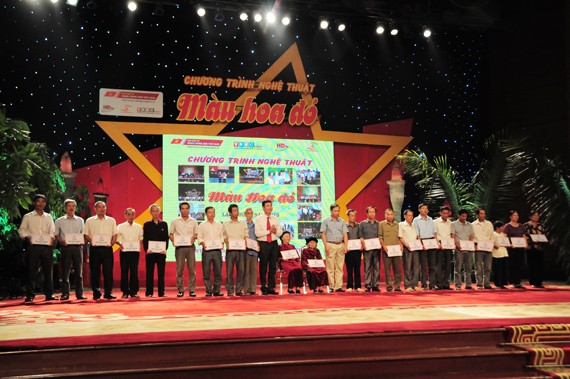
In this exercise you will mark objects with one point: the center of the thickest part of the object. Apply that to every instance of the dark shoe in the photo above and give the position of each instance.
(331, 290)
(488, 287)
(368, 289)
(239, 294)
(180, 294)
(502, 287)
(264, 292)
(376, 289)
(540, 286)
(110, 296)
(64, 297)
(253, 293)
(468, 288)
(314, 291)
(298, 291)
(50, 298)
(161, 295)
(389, 289)
(148, 295)
(217, 294)
(135, 296)
(96, 295)
(398, 289)
(339, 290)
(272, 292)
(519, 286)
(192, 294)
(208, 294)
(29, 298)
(230, 293)
(290, 291)
(81, 297)
(125, 296)
(321, 291)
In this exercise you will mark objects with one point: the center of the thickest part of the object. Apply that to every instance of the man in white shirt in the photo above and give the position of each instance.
(268, 229)
(38, 229)
(444, 256)
(235, 229)
(101, 232)
(130, 238)
(483, 231)
(72, 252)
(210, 234)
(407, 233)
(185, 252)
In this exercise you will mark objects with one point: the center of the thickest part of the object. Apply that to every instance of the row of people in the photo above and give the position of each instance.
(252, 240)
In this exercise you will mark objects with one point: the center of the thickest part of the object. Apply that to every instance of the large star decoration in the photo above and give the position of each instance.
(116, 131)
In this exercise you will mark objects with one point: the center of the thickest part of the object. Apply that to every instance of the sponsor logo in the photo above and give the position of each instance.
(281, 146)
(312, 148)
(107, 108)
(196, 142)
(246, 145)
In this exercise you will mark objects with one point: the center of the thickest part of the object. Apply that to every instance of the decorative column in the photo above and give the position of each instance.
(397, 186)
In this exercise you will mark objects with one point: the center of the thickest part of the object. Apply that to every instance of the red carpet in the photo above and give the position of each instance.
(254, 316)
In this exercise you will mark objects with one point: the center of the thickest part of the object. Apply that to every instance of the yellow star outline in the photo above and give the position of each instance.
(116, 131)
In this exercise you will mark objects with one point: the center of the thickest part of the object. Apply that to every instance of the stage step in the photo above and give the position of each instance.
(447, 354)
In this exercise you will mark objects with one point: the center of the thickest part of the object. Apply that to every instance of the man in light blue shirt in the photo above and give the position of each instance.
(425, 228)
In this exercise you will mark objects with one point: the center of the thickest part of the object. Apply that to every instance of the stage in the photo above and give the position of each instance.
(88, 322)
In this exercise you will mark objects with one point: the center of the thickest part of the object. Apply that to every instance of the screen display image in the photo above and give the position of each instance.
(297, 175)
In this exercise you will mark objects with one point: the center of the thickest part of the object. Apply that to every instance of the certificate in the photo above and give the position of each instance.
(131, 246)
(236, 244)
(101, 240)
(316, 263)
(430, 244)
(213, 245)
(394, 251)
(448, 243)
(40, 239)
(182, 240)
(518, 242)
(74, 239)
(290, 254)
(415, 245)
(485, 245)
(252, 244)
(354, 245)
(156, 246)
(372, 244)
(538, 238)
(467, 245)
(504, 241)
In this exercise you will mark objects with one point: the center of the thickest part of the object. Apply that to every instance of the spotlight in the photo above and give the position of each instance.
(132, 6)
(341, 27)
(257, 17)
(379, 29)
(270, 17)
(286, 20)
(394, 31)
(243, 16)
(73, 3)
(201, 11)
(324, 24)
(54, 1)
(427, 32)
(219, 17)
(91, 4)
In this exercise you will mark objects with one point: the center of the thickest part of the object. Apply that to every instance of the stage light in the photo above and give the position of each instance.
(132, 6)
(201, 12)
(91, 4)
(380, 29)
(324, 24)
(243, 16)
(286, 20)
(341, 27)
(257, 17)
(54, 1)
(394, 31)
(73, 3)
(427, 32)
(270, 17)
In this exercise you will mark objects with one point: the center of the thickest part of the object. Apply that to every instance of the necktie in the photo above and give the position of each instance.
(268, 228)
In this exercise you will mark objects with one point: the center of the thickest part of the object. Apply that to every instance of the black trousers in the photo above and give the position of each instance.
(353, 261)
(160, 261)
(423, 267)
(446, 265)
(72, 255)
(516, 261)
(500, 271)
(35, 256)
(101, 256)
(268, 256)
(129, 272)
(434, 258)
(535, 263)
